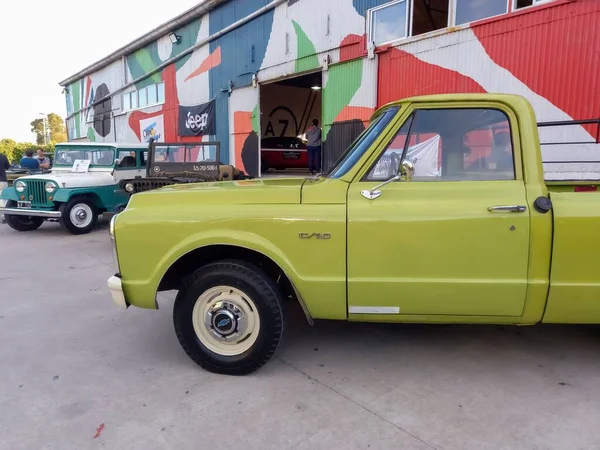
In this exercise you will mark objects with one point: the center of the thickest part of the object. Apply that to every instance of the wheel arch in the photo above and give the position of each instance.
(69, 195)
(189, 262)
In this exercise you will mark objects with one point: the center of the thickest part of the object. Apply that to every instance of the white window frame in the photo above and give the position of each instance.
(128, 95)
(143, 90)
(89, 114)
(370, 27)
(155, 87)
(137, 103)
(136, 93)
(452, 9)
(455, 9)
(164, 91)
(533, 5)
(449, 23)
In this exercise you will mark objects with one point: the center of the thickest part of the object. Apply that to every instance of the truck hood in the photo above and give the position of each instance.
(270, 191)
(75, 180)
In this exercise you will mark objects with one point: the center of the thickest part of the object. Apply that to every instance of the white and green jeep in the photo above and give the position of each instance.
(83, 184)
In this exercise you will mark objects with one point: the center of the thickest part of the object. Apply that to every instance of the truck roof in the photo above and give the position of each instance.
(504, 98)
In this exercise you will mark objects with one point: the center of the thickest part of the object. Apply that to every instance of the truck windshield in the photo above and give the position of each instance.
(361, 144)
(96, 156)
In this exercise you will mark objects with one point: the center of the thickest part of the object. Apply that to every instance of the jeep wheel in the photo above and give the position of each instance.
(79, 215)
(228, 317)
(22, 223)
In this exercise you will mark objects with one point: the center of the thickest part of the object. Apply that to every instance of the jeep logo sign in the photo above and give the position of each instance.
(197, 120)
(196, 123)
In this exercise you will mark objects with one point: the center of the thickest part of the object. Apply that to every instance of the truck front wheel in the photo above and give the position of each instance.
(79, 215)
(22, 223)
(228, 317)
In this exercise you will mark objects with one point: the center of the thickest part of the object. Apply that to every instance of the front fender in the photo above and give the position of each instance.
(311, 289)
(63, 195)
(105, 197)
(9, 194)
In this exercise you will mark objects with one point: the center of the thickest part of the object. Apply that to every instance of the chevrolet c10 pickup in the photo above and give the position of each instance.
(439, 212)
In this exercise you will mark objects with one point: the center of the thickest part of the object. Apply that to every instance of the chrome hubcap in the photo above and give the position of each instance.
(81, 215)
(226, 320)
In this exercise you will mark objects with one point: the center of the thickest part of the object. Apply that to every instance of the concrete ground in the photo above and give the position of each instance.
(78, 373)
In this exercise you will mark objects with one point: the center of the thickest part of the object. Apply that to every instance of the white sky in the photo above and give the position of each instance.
(44, 42)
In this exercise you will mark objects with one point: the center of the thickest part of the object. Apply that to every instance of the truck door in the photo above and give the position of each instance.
(454, 241)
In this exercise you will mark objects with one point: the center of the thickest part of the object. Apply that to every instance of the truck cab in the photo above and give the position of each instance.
(83, 184)
(438, 213)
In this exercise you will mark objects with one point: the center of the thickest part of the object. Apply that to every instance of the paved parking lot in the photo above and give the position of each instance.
(77, 373)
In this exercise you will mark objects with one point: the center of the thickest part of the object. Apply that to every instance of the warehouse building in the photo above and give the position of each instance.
(252, 74)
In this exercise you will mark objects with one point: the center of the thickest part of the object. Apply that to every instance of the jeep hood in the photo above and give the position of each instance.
(74, 180)
(269, 191)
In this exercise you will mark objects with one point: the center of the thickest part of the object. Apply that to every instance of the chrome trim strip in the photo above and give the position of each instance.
(30, 213)
(374, 310)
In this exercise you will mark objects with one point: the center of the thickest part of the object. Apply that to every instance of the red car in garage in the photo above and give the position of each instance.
(283, 153)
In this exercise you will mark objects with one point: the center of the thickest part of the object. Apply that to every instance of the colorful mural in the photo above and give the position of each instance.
(554, 68)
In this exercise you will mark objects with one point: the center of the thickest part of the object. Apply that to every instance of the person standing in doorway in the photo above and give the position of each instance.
(313, 146)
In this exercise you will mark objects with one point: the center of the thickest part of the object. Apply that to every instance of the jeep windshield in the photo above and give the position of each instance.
(96, 156)
(184, 160)
(362, 143)
(184, 153)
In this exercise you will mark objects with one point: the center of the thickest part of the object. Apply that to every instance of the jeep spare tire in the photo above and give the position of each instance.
(78, 215)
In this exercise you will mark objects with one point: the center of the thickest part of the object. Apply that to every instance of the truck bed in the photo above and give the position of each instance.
(574, 295)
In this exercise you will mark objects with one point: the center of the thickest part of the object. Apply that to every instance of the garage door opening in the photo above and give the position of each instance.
(287, 110)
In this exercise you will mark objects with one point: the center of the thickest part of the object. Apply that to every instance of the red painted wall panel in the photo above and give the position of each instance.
(554, 50)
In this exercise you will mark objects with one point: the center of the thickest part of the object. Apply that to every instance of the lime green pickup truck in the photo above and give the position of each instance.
(438, 213)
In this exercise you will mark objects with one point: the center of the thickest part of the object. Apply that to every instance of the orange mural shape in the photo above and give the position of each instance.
(211, 61)
(242, 127)
(362, 113)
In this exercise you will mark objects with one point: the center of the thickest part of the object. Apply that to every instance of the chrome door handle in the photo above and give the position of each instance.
(508, 208)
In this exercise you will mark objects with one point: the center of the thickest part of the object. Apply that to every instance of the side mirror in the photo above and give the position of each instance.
(407, 170)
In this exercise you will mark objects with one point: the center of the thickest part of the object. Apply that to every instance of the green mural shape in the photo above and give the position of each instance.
(75, 90)
(91, 134)
(342, 84)
(146, 62)
(146, 59)
(307, 58)
(256, 120)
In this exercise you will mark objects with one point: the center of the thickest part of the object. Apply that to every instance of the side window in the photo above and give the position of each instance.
(389, 163)
(126, 159)
(143, 158)
(456, 145)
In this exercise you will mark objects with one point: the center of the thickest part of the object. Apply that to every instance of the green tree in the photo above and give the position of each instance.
(55, 129)
(14, 151)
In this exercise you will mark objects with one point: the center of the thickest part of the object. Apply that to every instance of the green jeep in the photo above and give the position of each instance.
(84, 183)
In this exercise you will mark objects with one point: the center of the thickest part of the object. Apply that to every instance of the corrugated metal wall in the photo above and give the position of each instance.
(549, 54)
(341, 82)
(243, 51)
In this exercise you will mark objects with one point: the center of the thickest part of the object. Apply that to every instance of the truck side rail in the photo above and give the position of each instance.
(570, 149)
